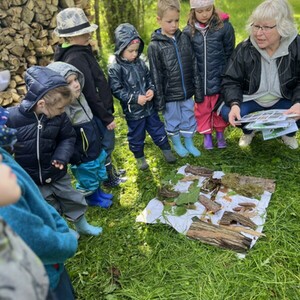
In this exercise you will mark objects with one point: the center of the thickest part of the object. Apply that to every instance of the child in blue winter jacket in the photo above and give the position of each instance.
(131, 83)
(42, 229)
(213, 40)
(88, 160)
(45, 143)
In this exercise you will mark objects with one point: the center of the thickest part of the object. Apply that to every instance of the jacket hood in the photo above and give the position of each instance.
(66, 70)
(124, 34)
(39, 81)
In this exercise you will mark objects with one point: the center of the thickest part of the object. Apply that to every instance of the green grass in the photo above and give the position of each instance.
(137, 261)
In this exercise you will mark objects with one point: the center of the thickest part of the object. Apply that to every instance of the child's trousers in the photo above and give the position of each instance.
(64, 198)
(207, 119)
(91, 174)
(137, 133)
(179, 118)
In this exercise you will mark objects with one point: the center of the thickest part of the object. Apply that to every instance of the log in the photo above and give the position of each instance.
(229, 218)
(219, 236)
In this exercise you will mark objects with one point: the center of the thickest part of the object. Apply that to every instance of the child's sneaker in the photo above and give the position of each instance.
(246, 139)
(141, 163)
(169, 157)
(290, 141)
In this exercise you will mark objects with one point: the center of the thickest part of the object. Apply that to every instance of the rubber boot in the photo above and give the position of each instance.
(221, 140)
(178, 147)
(208, 143)
(169, 157)
(102, 194)
(141, 163)
(95, 200)
(190, 147)
(75, 233)
(83, 227)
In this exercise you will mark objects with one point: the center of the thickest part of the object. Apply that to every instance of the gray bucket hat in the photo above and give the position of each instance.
(72, 22)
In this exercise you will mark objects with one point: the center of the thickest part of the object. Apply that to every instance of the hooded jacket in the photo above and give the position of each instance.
(88, 141)
(212, 51)
(173, 69)
(127, 79)
(96, 89)
(41, 140)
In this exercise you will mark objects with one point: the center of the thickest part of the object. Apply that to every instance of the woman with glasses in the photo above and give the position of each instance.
(264, 71)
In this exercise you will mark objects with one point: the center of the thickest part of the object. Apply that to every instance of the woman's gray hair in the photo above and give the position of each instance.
(278, 10)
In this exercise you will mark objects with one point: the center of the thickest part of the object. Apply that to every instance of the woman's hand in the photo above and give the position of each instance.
(234, 115)
(295, 109)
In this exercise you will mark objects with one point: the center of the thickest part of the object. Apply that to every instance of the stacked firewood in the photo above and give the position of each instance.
(26, 39)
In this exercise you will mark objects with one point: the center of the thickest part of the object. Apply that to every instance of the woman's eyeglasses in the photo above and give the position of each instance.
(255, 28)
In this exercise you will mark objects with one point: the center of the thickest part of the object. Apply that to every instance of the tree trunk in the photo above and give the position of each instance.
(97, 21)
(117, 12)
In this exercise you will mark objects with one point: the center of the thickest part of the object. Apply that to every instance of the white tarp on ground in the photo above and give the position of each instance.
(154, 211)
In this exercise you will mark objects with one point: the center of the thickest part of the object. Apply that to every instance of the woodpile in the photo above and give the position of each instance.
(27, 39)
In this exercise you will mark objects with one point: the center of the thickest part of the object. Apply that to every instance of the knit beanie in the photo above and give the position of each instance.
(201, 3)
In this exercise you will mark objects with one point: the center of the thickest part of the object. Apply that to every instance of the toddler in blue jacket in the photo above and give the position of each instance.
(45, 143)
(39, 225)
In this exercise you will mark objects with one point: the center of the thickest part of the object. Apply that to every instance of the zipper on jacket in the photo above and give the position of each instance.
(85, 142)
(141, 86)
(39, 128)
(180, 66)
(205, 62)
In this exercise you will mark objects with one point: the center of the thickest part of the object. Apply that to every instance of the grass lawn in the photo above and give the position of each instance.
(141, 262)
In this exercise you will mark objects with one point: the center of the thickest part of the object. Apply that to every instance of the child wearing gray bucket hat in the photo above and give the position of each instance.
(73, 25)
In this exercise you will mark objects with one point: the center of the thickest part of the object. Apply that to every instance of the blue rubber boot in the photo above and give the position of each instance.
(83, 227)
(104, 195)
(178, 147)
(95, 200)
(190, 147)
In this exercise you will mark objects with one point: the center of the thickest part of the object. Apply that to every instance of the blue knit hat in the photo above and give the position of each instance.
(7, 135)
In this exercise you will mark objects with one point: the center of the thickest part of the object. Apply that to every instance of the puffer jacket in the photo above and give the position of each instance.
(96, 89)
(212, 51)
(88, 141)
(127, 79)
(242, 74)
(41, 140)
(173, 69)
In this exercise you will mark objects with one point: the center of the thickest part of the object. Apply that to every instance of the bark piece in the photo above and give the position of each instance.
(166, 192)
(197, 170)
(219, 236)
(210, 205)
(232, 217)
